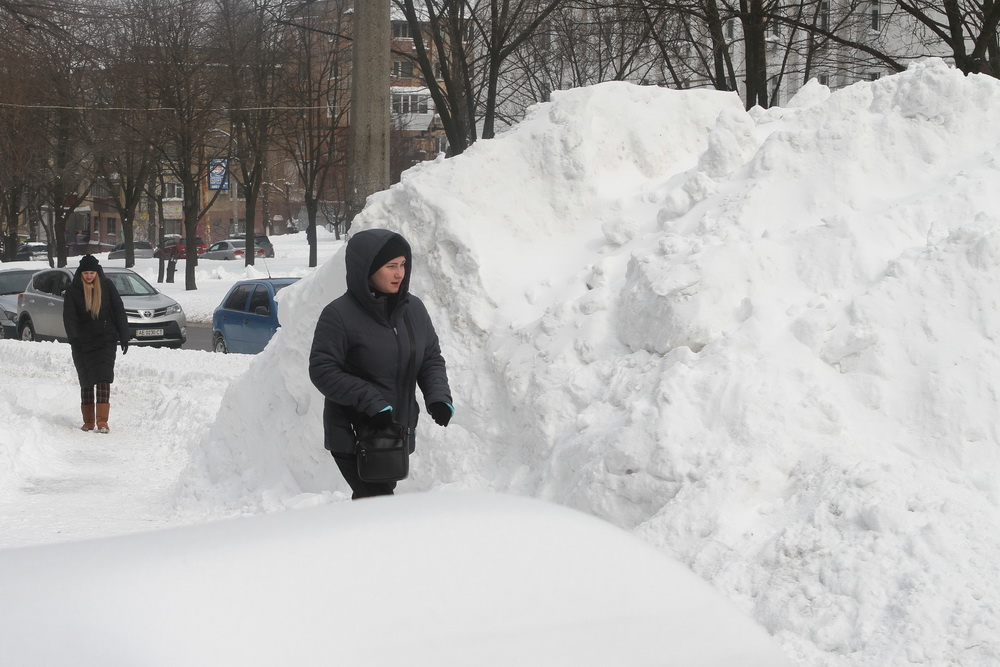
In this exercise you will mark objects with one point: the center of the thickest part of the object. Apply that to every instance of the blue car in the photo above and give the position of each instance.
(248, 316)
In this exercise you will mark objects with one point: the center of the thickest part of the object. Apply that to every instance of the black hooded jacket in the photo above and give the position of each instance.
(361, 350)
(94, 340)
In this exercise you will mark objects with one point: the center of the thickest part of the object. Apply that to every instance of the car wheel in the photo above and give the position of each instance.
(27, 331)
(220, 344)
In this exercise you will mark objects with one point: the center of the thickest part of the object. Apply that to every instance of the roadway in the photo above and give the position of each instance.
(199, 337)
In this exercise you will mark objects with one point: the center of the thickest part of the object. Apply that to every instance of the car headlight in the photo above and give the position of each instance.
(174, 309)
(10, 315)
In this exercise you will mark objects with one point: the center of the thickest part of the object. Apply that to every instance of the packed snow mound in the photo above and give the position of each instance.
(765, 341)
(497, 580)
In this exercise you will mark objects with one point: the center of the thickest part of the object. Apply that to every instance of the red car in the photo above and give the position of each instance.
(176, 247)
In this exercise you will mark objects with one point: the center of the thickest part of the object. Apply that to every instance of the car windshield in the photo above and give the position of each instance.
(14, 282)
(131, 284)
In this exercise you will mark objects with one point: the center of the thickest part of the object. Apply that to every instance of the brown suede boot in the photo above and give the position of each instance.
(102, 417)
(88, 417)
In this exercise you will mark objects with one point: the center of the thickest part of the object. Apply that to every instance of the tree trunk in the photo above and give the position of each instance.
(251, 213)
(312, 206)
(754, 28)
(192, 207)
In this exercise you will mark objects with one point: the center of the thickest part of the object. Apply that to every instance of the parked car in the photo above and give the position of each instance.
(259, 241)
(175, 247)
(153, 319)
(12, 283)
(169, 246)
(32, 251)
(229, 249)
(143, 250)
(248, 316)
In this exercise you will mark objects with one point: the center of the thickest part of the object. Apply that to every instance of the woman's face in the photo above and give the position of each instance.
(88, 276)
(389, 278)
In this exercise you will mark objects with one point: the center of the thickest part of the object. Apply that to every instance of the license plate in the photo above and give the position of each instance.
(148, 332)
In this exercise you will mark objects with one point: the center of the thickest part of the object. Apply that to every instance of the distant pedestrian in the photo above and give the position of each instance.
(95, 321)
(372, 346)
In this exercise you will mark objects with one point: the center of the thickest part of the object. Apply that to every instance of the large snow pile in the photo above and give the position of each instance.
(444, 579)
(764, 341)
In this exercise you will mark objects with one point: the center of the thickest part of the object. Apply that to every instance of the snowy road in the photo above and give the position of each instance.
(55, 474)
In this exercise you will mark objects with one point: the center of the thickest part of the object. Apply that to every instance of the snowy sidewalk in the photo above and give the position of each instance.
(59, 483)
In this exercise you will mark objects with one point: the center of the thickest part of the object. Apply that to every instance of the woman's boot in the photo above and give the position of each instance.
(103, 409)
(89, 417)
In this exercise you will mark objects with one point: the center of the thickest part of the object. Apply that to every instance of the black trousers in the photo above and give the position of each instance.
(348, 464)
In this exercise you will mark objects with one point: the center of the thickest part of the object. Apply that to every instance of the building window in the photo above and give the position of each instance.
(410, 104)
(824, 15)
(731, 29)
(824, 79)
(100, 191)
(874, 76)
(876, 23)
(173, 191)
(401, 30)
(112, 227)
(402, 69)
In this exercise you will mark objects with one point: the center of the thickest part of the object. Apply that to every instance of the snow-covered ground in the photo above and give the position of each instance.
(762, 342)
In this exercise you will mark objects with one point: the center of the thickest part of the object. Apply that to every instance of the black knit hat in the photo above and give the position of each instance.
(89, 263)
(392, 249)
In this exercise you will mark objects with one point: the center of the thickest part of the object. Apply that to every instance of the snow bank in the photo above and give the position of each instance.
(463, 579)
(763, 341)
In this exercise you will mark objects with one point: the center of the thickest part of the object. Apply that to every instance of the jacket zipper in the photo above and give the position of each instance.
(400, 374)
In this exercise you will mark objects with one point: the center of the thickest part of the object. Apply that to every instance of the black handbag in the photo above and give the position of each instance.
(383, 454)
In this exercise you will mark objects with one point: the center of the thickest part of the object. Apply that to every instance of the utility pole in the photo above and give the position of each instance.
(368, 140)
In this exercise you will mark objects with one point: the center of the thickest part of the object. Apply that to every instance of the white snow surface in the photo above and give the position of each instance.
(762, 342)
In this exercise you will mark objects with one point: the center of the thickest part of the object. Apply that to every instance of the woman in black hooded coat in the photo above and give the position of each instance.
(95, 321)
(362, 348)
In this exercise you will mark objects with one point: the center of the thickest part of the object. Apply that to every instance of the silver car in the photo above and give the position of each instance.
(153, 318)
(32, 251)
(12, 283)
(229, 249)
(142, 250)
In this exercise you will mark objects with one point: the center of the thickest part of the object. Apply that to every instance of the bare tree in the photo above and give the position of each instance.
(21, 137)
(443, 55)
(463, 50)
(967, 27)
(316, 91)
(252, 55)
(185, 76)
(582, 43)
(124, 131)
(63, 82)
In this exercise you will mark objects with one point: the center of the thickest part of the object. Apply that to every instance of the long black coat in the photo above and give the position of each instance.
(360, 352)
(94, 341)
